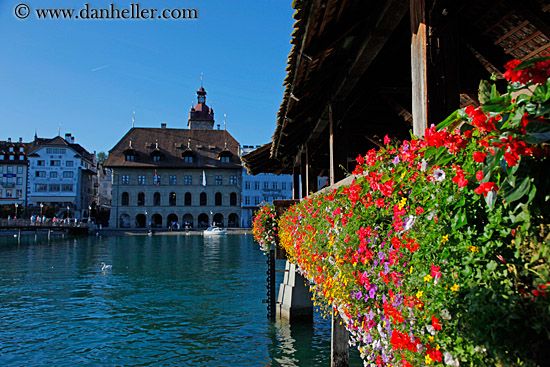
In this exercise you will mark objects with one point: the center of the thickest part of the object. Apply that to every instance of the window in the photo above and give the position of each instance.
(68, 174)
(8, 193)
(54, 187)
(53, 174)
(21, 157)
(1, 169)
(141, 180)
(188, 159)
(10, 169)
(172, 180)
(156, 179)
(274, 185)
(232, 180)
(233, 199)
(12, 157)
(188, 199)
(172, 199)
(20, 180)
(218, 180)
(203, 199)
(283, 185)
(1, 157)
(11, 149)
(40, 187)
(141, 199)
(19, 193)
(156, 199)
(125, 179)
(40, 174)
(256, 200)
(19, 169)
(69, 163)
(67, 188)
(156, 158)
(130, 158)
(247, 185)
(188, 180)
(218, 199)
(247, 200)
(256, 185)
(21, 149)
(266, 185)
(40, 163)
(55, 163)
(224, 159)
(125, 199)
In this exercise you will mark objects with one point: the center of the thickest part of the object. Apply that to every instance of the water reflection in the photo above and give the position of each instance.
(167, 301)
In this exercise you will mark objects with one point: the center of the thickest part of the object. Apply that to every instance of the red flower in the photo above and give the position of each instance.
(386, 140)
(435, 323)
(485, 187)
(479, 175)
(479, 157)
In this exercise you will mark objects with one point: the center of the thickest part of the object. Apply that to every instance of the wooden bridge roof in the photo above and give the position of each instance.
(356, 55)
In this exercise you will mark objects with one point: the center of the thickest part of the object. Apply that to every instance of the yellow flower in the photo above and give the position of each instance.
(454, 288)
(473, 248)
(402, 203)
(427, 278)
(445, 238)
(411, 270)
(430, 338)
(419, 294)
(428, 359)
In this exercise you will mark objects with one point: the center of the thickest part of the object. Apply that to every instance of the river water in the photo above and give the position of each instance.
(167, 301)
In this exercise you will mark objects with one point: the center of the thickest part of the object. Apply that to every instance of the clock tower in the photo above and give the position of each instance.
(201, 117)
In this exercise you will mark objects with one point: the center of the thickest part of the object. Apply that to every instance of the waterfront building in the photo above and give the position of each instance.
(176, 177)
(61, 173)
(13, 173)
(104, 196)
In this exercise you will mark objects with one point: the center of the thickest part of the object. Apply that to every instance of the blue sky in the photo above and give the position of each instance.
(90, 75)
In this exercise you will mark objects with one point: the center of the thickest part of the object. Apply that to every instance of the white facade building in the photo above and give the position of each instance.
(61, 173)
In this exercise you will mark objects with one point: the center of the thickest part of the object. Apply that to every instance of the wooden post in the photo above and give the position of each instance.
(337, 149)
(434, 66)
(311, 172)
(296, 182)
(303, 174)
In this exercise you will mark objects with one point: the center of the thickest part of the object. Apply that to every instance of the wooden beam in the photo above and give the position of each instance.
(533, 12)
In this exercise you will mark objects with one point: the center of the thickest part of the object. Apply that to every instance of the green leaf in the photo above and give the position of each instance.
(541, 94)
(453, 117)
(494, 92)
(499, 104)
(492, 265)
(484, 92)
(517, 193)
(530, 62)
(490, 199)
(537, 132)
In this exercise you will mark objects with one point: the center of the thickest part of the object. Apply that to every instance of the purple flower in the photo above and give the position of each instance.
(358, 295)
(386, 268)
(372, 291)
(396, 159)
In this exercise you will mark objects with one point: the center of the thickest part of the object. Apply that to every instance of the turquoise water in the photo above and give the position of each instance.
(167, 301)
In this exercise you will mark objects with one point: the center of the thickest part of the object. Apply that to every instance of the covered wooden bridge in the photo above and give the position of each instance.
(359, 70)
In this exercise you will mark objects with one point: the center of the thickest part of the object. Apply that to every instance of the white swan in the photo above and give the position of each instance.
(105, 267)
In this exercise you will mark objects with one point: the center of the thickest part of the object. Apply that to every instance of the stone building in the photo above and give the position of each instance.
(13, 173)
(164, 177)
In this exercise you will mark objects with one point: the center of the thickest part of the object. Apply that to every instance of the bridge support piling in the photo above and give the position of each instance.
(294, 301)
(339, 343)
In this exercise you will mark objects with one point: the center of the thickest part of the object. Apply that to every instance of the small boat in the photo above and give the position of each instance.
(214, 231)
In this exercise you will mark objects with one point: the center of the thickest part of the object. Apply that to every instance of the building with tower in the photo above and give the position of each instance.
(176, 177)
